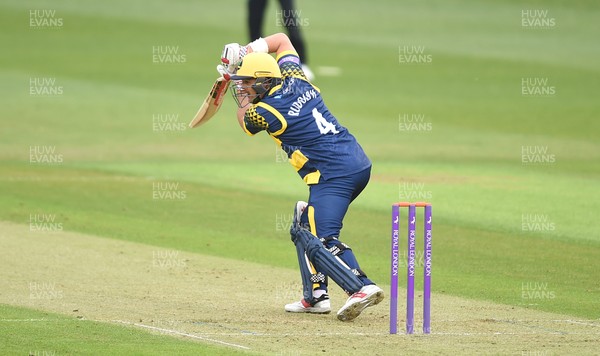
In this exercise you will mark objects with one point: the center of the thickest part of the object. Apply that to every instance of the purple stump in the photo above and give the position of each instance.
(410, 275)
(394, 271)
(427, 271)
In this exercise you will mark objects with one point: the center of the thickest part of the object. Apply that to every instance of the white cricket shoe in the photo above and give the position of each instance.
(319, 305)
(367, 296)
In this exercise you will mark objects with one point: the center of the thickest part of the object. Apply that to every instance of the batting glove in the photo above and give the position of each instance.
(222, 69)
(232, 55)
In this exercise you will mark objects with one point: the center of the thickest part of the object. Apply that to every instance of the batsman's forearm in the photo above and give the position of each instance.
(276, 43)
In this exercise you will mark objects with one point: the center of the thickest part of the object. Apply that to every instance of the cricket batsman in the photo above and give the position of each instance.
(274, 95)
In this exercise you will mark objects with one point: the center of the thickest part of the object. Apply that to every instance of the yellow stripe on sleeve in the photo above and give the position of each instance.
(278, 115)
(284, 53)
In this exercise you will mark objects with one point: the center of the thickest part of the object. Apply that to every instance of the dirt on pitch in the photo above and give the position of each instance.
(239, 305)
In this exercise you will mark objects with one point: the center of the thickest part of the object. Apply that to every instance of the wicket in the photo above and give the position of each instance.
(411, 267)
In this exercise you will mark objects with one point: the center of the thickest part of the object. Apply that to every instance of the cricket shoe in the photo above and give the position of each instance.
(319, 305)
(367, 296)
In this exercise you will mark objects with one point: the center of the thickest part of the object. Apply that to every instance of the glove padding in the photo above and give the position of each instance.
(222, 69)
(232, 56)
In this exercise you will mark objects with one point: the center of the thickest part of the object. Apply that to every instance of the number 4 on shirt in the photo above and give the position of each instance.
(324, 126)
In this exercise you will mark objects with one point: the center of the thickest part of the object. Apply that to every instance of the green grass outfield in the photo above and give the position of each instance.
(513, 178)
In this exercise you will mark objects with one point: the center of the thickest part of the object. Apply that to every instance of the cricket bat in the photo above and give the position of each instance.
(212, 103)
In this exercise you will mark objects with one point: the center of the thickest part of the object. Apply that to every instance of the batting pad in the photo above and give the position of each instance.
(325, 261)
(307, 272)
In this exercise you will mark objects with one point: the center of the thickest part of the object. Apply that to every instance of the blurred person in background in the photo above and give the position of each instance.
(290, 18)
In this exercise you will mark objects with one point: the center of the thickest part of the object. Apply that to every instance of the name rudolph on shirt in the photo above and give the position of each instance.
(299, 103)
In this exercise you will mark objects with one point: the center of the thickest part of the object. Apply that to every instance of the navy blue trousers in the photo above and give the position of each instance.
(327, 205)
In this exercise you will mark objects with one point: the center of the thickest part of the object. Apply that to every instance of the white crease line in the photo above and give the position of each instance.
(592, 322)
(182, 334)
(514, 334)
(441, 333)
(577, 322)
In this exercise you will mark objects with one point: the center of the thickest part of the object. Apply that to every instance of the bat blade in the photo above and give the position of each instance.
(212, 103)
